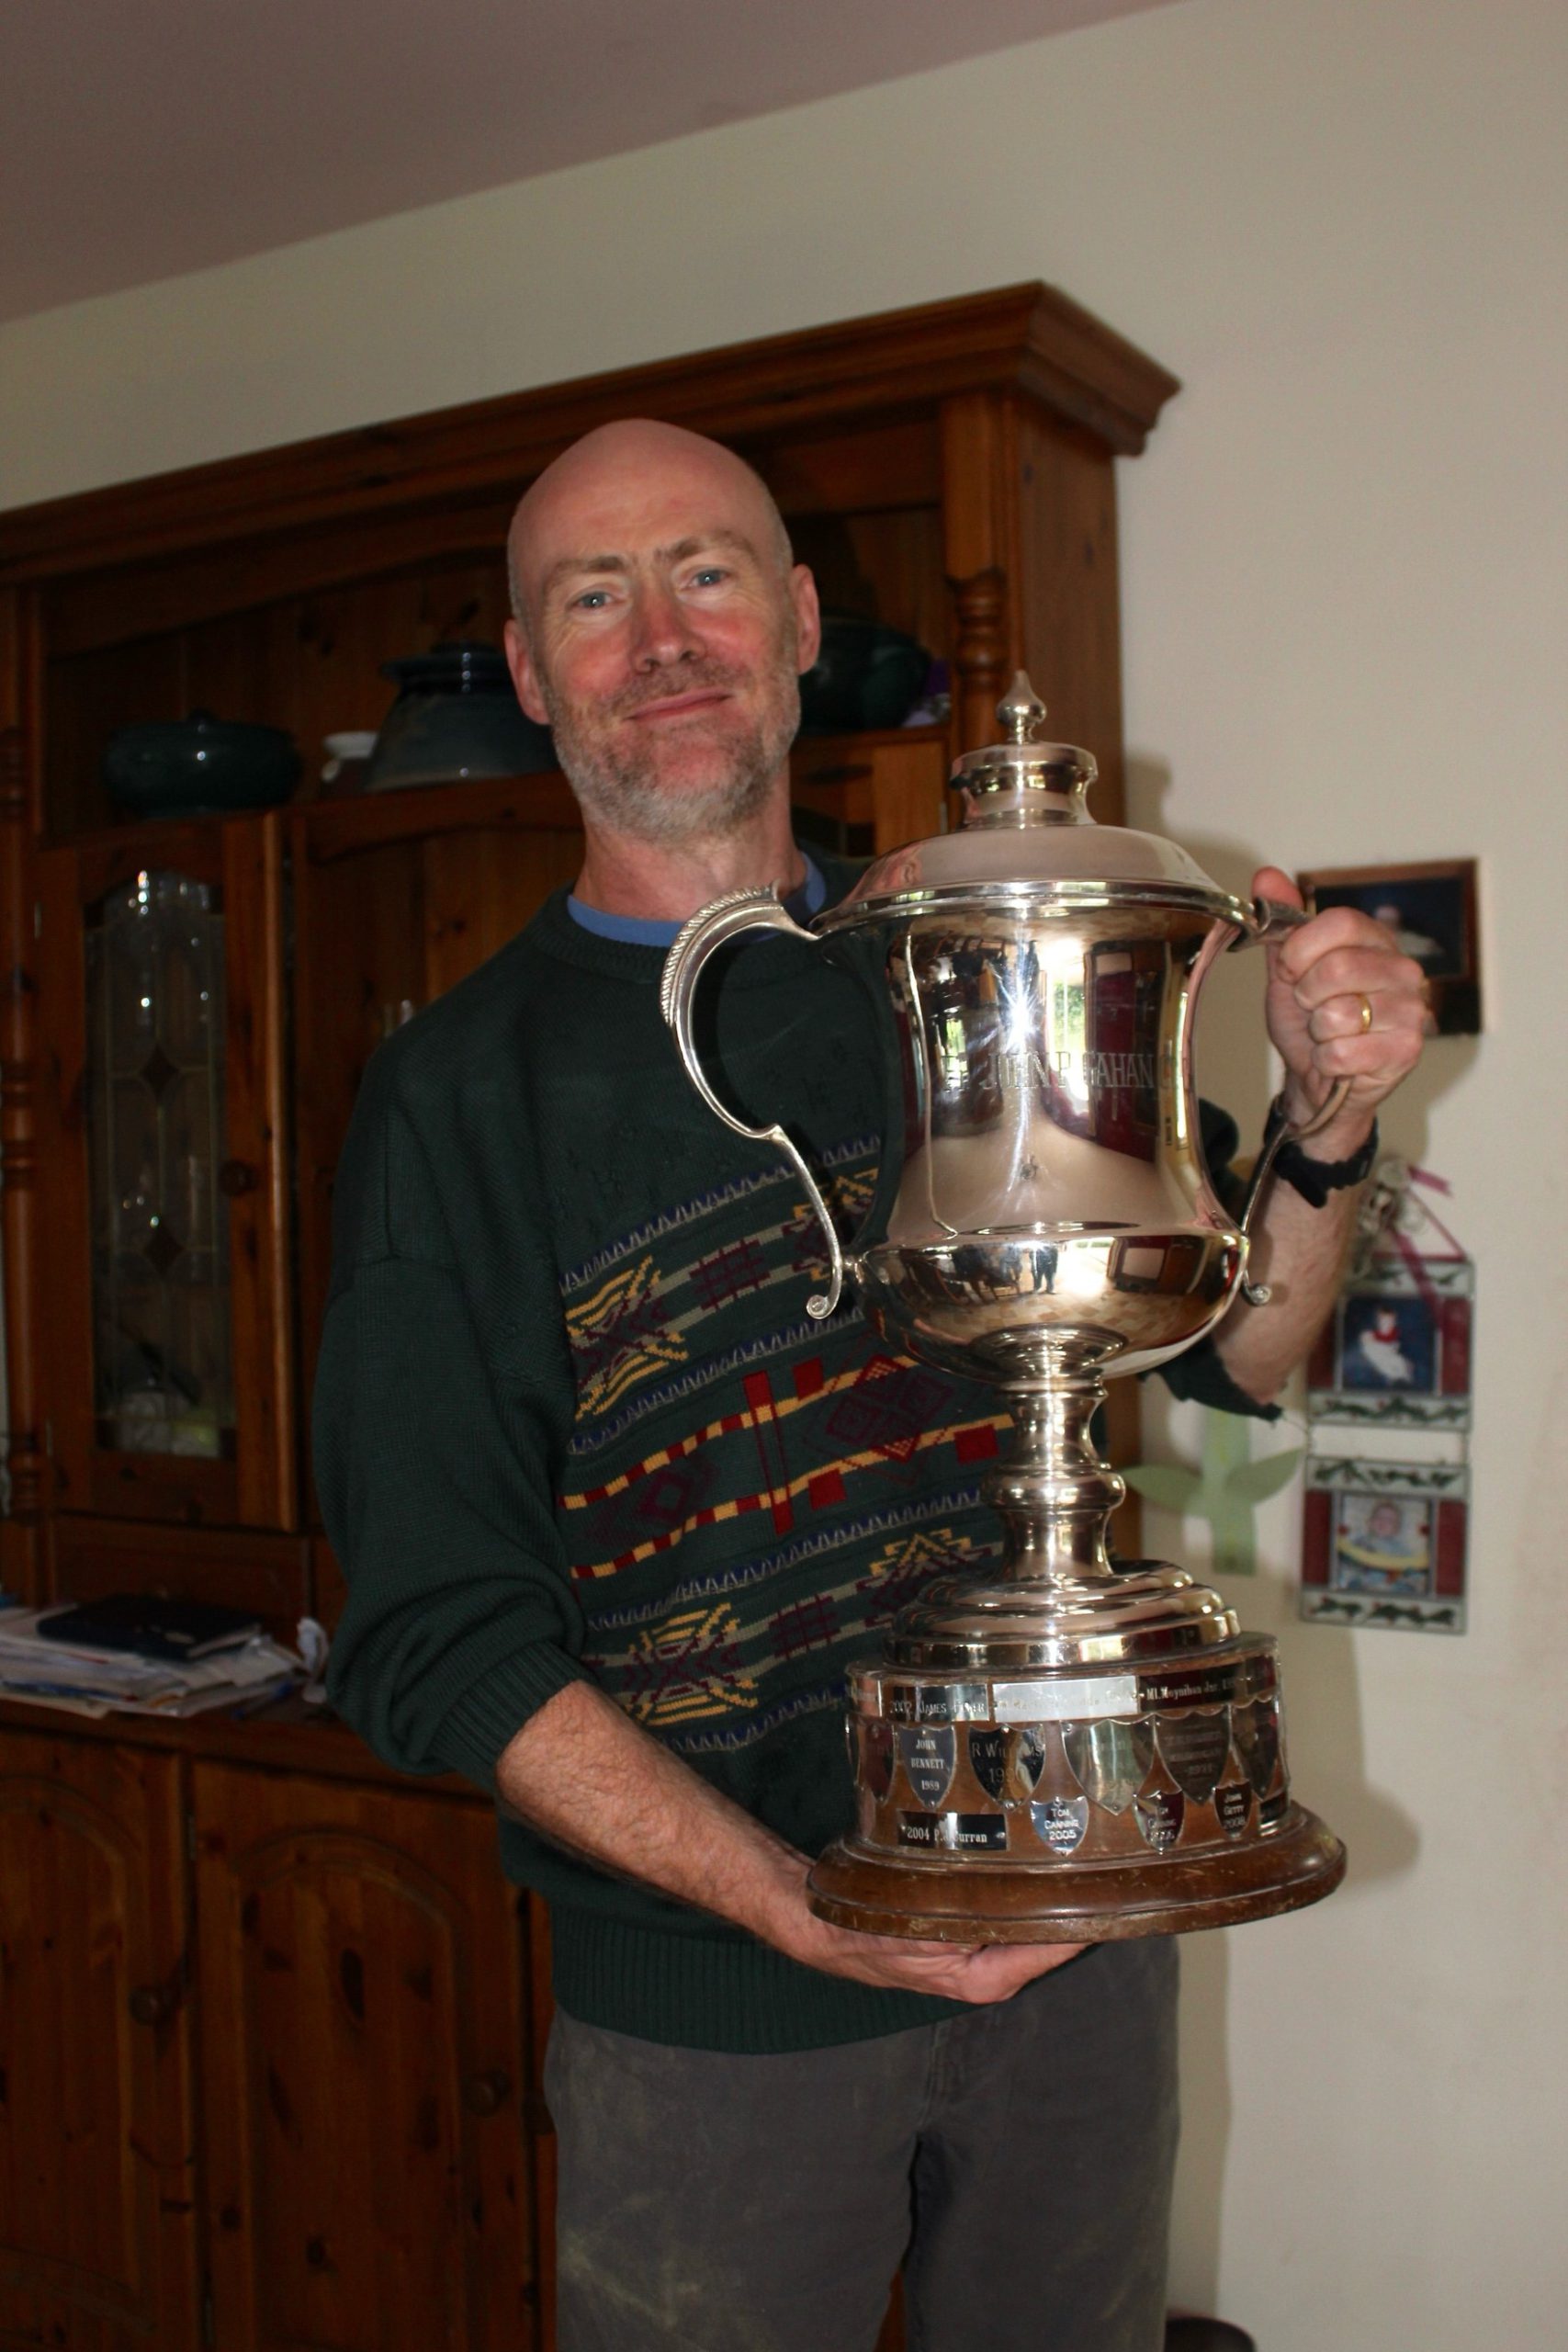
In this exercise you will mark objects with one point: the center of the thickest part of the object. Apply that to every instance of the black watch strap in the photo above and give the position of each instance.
(1315, 1179)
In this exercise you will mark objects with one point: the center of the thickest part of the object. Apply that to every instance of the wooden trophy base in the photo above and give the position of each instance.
(979, 1902)
(1140, 1797)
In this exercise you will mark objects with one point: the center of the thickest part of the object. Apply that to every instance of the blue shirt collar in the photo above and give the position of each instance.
(635, 931)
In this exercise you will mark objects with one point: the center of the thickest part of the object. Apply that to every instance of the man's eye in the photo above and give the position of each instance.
(709, 576)
(592, 600)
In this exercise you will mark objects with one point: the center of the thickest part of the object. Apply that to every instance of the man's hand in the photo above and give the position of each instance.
(1343, 1002)
(588, 1779)
(976, 1973)
(1320, 980)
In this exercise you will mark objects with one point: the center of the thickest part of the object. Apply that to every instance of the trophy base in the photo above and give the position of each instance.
(854, 1887)
(1142, 1795)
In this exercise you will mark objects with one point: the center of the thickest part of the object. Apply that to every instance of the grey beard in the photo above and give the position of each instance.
(623, 795)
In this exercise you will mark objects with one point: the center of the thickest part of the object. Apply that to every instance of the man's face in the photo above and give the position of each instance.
(665, 637)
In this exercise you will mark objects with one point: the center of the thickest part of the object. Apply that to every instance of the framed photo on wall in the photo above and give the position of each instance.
(1396, 1350)
(1430, 911)
(1383, 1545)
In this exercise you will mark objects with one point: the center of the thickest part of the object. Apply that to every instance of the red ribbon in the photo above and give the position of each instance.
(1416, 1259)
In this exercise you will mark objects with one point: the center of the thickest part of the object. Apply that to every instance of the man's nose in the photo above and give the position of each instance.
(663, 630)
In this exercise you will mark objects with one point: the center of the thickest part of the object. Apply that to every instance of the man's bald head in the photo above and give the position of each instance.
(616, 460)
(660, 623)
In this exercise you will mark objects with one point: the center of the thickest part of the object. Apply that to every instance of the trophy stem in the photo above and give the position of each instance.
(1054, 1492)
(1055, 1597)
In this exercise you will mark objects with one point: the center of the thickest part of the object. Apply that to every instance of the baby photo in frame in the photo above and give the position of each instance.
(1429, 911)
(1383, 1545)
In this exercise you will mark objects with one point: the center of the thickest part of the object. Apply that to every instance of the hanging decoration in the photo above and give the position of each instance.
(1226, 1489)
(1385, 1531)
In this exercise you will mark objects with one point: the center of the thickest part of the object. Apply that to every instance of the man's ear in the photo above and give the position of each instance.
(808, 616)
(525, 676)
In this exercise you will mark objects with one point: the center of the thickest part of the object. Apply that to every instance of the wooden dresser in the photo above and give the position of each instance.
(270, 2020)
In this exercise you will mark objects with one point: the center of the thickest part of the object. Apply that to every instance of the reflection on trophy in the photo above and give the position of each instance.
(1073, 1749)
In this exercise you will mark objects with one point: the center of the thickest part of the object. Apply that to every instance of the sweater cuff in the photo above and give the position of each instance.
(493, 1709)
(1199, 1373)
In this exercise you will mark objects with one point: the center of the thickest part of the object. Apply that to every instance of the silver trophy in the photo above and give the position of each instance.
(1076, 1748)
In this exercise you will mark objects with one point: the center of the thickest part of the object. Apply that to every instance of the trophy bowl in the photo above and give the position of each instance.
(1072, 1748)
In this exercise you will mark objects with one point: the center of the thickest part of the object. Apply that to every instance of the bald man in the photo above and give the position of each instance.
(616, 1513)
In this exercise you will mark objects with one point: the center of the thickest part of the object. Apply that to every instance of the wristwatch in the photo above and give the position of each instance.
(1315, 1179)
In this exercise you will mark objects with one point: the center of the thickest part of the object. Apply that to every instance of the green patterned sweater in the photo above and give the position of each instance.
(571, 1419)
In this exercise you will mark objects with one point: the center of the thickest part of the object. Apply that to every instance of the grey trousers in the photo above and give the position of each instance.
(1016, 2160)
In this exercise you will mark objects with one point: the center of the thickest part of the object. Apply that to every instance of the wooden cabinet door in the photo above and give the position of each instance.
(397, 897)
(860, 795)
(363, 2047)
(164, 1171)
(98, 2231)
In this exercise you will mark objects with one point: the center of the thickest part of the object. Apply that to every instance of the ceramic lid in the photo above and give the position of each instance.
(459, 666)
(1026, 829)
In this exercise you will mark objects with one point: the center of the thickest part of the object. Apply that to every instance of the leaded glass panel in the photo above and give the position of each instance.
(162, 1369)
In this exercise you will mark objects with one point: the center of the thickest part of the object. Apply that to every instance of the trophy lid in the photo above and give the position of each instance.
(1027, 831)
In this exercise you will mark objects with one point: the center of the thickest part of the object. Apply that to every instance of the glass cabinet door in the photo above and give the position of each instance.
(153, 1096)
(167, 1205)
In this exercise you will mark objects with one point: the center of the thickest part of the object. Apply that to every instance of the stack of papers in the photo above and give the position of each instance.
(40, 1670)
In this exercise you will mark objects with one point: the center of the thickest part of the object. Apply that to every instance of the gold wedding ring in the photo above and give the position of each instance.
(1366, 1015)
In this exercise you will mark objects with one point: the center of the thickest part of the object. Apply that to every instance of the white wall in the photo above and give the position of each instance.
(1342, 221)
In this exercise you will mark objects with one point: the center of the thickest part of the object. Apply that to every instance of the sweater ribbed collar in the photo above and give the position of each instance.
(554, 932)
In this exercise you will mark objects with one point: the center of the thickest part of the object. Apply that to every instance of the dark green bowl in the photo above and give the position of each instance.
(199, 766)
(866, 676)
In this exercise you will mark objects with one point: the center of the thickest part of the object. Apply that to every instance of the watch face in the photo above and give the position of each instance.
(1315, 1179)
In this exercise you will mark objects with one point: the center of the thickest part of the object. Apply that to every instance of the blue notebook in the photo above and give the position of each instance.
(149, 1626)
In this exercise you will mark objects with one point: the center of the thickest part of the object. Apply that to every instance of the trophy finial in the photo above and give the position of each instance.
(1022, 714)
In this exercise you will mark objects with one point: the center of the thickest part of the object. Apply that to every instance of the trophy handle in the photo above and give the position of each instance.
(711, 928)
(1267, 918)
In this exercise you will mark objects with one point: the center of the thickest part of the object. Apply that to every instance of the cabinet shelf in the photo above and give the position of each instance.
(820, 766)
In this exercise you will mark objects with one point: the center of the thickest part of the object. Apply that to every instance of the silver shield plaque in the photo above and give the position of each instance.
(928, 1756)
(1256, 1730)
(1028, 1760)
(1233, 1804)
(1159, 1816)
(1060, 1822)
(1193, 1749)
(1109, 1761)
(988, 1760)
